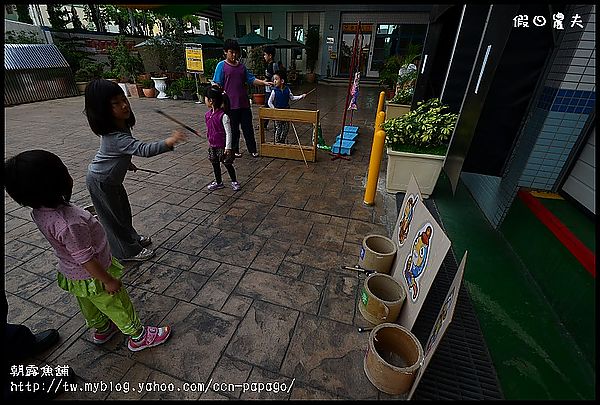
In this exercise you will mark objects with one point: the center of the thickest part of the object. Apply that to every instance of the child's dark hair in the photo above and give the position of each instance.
(269, 50)
(231, 44)
(218, 97)
(282, 74)
(98, 109)
(37, 178)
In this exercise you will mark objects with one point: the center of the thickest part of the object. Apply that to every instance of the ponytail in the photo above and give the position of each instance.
(218, 97)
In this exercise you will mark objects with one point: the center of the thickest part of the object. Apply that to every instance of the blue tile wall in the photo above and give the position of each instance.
(570, 101)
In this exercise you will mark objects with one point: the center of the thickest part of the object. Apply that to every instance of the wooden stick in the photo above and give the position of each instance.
(310, 92)
(298, 139)
(178, 122)
(294, 102)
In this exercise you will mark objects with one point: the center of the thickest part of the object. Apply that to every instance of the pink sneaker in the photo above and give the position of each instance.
(153, 336)
(103, 337)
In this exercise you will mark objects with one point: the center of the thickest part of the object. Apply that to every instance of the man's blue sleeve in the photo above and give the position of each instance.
(249, 76)
(218, 76)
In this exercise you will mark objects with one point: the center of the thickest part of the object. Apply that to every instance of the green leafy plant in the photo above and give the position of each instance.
(70, 49)
(209, 67)
(89, 71)
(122, 60)
(22, 37)
(388, 74)
(256, 61)
(178, 86)
(425, 129)
(403, 96)
(110, 74)
(405, 88)
(147, 84)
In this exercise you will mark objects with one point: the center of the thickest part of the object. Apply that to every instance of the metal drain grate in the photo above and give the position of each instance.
(461, 367)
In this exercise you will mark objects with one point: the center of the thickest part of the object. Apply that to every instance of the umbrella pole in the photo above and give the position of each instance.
(197, 90)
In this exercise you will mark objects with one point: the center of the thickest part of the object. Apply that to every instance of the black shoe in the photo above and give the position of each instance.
(44, 340)
(145, 241)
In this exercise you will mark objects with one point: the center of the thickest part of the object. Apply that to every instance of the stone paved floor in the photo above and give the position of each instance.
(251, 282)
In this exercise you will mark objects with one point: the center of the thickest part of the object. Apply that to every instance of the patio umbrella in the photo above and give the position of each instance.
(207, 41)
(282, 43)
(253, 39)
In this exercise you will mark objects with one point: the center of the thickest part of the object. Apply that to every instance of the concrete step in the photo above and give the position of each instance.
(343, 81)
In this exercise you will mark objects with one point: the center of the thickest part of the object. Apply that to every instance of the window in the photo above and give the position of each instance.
(256, 29)
(240, 31)
(394, 39)
(269, 31)
(298, 31)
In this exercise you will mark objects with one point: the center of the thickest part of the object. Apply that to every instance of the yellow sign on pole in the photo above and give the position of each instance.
(193, 58)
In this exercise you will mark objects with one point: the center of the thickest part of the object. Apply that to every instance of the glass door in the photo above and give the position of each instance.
(347, 44)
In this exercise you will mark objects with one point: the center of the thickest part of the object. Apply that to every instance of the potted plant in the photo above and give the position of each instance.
(388, 74)
(417, 143)
(87, 72)
(148, 88)
(312, 53)
(111, 75)
(406, 79)
(183, 87)
(127, 65)
(256, 63)
(405, 89)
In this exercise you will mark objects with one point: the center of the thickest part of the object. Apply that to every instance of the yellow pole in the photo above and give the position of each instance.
(375, 161)
(381, 101)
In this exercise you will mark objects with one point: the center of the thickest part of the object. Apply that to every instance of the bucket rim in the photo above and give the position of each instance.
(393, 252)
(401, 299)
(406, 370)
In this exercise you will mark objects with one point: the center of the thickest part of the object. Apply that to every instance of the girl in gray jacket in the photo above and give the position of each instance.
(110, 117)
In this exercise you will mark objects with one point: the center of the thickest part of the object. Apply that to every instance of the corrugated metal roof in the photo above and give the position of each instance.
(32, 56)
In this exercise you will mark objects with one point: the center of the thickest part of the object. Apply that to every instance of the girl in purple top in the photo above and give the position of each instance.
(231, 75)
(219, 137)
(40, 180)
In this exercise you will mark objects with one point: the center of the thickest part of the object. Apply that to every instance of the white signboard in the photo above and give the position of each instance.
(412, 195)
(419, 260)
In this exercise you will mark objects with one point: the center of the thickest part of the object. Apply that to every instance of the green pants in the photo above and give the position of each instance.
(99, 307)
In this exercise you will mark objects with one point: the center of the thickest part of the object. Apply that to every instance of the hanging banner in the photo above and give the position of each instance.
(193, 58)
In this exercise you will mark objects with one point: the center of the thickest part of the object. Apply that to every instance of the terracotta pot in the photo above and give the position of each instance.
(135, 90)
(258, 98)
(311, 77)
(150, 93)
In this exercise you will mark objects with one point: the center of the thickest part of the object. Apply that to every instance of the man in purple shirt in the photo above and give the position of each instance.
(231, 75)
